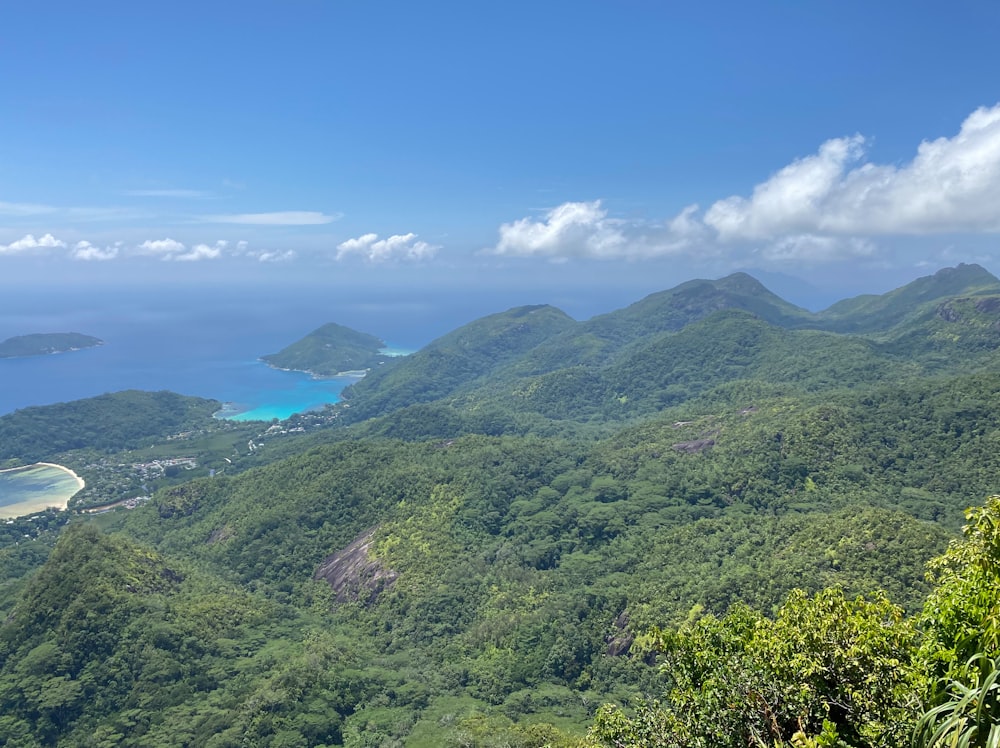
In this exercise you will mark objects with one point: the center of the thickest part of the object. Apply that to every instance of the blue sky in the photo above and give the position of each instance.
(852, 145)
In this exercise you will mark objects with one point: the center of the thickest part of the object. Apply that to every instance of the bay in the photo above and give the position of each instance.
(202, 342)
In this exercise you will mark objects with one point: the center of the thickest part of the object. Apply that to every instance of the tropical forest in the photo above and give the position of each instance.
(711, 519)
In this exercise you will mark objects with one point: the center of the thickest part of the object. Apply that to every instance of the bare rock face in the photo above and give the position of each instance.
(693, 447)
(353, 574)
(989, 305)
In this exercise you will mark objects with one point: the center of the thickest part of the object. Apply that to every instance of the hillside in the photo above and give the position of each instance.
(677, 344)
(330, 350)
(527, 519)
(115, 421)
(456, 360)
(880, 313)
(42, 344)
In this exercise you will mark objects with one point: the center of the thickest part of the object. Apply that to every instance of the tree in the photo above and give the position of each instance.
(826, 667)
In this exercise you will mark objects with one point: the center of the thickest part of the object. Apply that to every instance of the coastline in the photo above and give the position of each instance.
(22, 508)
(352, 374)
(50, 353)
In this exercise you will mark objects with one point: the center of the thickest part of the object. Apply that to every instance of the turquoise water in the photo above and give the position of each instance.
(208, 345)
(300, 393)
(28, 490)
(291, 392)
(395, 350)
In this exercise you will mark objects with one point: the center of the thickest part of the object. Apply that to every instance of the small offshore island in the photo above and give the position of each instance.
(330, 351)
(44, 344)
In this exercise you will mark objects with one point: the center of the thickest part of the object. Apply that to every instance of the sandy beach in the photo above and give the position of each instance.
(41, 503)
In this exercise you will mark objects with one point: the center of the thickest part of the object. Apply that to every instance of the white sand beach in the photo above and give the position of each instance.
(56, 499)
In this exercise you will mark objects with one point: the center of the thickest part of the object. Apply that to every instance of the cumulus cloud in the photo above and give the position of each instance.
(583, 229)
(791, 200)
(160, 247)
(950, 186)
(567, 230)
(84, 250)
(28, 242)
(280, 218)
(828, 206)
(396, 247)
(172, 250)
(200, 252)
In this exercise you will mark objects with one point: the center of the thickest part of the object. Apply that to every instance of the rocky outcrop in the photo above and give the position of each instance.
(353, 574)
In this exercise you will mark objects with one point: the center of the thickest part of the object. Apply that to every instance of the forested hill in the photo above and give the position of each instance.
(676, 344)
(116, 421)
(880, 313)
(330, 350)
(41, 344)
(703, 520)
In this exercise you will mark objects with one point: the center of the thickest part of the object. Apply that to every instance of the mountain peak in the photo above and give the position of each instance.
(742, 283)
(882, 311)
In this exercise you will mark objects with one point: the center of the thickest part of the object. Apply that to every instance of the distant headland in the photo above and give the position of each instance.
(43, 344)
(330, 351)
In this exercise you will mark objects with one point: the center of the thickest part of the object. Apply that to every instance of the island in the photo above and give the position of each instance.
(43, 344)
(331, 350)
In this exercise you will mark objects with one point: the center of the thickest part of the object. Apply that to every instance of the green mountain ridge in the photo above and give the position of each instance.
(528, 512)
(879, 313)
(675, 344)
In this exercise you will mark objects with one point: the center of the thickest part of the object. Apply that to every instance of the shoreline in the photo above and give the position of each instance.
(33, 506)
(50, 353)
(352, 374)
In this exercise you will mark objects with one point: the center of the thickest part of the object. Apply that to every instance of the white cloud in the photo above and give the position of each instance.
(29, 242)
(200, 252)
(396, 247)
(161, 247)
(242, 249)
(825, 207)
(571, 229)
(274, 256)
(172, 250)
(281, 218)
(950, 186)
(790, 201)
(583, 229)
(84, 250)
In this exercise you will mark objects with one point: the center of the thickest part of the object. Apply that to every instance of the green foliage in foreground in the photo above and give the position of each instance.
(830, 671)
(525, 567)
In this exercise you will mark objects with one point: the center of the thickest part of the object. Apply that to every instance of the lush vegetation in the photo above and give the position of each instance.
(703, 521)
(40, 344)
(330, 350)
(122, 420)
(827, 670)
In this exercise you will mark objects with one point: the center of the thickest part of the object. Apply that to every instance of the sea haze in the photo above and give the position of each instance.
(207, 341)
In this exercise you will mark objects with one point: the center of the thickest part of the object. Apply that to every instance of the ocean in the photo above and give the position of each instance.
(207, 341)
(195, 341)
